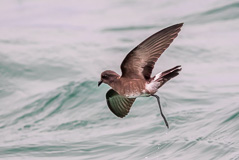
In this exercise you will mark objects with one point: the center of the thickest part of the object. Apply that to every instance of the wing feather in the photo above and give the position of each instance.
(140, 62)
(118, 104)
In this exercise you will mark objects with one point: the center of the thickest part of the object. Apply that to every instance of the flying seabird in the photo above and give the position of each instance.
(136, 80)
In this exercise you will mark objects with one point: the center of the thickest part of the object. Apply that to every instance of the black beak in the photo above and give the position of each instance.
(99, 83)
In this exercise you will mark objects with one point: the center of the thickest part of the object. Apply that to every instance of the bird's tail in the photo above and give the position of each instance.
(165, 76)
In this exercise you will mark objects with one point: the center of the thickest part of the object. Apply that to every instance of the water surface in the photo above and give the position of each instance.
(51, 57)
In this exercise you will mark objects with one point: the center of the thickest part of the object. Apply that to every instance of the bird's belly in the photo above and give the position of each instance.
(136, 93)
(131, 93)
(132, 89)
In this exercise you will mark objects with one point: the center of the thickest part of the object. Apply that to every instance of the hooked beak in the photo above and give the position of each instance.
(99, 83)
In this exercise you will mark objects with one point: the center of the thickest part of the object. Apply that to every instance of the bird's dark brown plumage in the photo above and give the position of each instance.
(139, 63)
(136, 70)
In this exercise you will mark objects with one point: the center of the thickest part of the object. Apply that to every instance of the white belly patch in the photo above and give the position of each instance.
(152, 87)
(157, 76)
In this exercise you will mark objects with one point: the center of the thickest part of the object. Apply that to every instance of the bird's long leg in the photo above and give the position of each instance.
(161, 112)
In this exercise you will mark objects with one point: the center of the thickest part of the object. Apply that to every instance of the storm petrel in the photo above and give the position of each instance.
(136, 80)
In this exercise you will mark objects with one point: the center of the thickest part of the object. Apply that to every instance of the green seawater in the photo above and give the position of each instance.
(51, 57)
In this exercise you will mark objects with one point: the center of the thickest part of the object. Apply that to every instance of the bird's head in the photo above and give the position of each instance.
(108, 77)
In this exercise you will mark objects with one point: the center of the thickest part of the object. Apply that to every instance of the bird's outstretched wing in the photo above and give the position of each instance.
(118, 104)
(139, 62)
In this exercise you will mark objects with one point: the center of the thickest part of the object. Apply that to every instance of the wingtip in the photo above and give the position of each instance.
(180, 24)
(176, 26)
(121, 116)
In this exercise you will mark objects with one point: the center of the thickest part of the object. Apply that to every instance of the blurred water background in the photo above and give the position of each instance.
(52, 54)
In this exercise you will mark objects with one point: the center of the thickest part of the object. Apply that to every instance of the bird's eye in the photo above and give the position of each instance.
(104, 76)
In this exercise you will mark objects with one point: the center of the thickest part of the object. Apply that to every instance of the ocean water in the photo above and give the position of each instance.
(51, 57)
